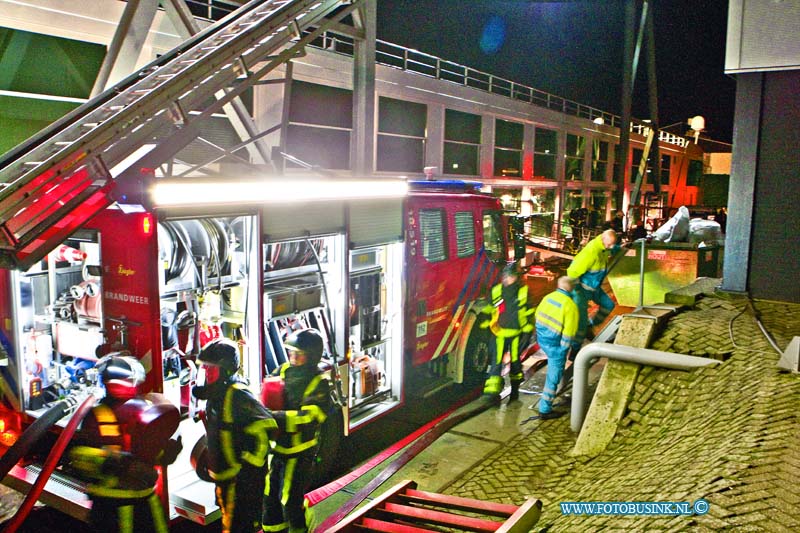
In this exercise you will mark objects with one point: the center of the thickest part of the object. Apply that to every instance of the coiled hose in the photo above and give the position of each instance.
(50, 465)
(34, 433)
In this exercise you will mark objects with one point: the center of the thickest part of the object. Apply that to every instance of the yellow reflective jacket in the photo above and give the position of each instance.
(556, 321)
(494, 309)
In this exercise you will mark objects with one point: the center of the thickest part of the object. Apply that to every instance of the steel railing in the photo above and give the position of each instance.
(410, 60)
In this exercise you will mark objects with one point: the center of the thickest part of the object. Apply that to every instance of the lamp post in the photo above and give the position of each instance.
(697, 123)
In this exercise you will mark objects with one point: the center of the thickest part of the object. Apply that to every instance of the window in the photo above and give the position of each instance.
(573, 199)
(493, 236)
(666, 162)
(576, 146)
(462, 141)
(599, 160)
(432, 234)
(543, 205)
(508, 138)
(637, 157)
(320, 125)
(598, 200)
(401, 135)
(695, 172)
(618, 176)
(545, 148)
(465, 234)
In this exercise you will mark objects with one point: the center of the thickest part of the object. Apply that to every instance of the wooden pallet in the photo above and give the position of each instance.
(403, 509)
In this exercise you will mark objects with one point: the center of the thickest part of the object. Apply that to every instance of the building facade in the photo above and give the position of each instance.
(542, 154)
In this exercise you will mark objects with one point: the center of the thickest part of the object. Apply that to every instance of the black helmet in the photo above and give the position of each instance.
(121, 375)
(223, 353)
(511, 269)
(308, 341)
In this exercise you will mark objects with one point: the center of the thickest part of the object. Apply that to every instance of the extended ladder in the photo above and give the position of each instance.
(403, 509)
(55, 181)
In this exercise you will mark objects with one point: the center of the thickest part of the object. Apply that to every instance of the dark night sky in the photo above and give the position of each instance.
(574, 50)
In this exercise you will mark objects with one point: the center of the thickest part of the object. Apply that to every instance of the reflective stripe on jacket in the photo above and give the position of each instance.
(557, 320)
(242, 433)
(301, 423)
(522, 312)
(590, 265)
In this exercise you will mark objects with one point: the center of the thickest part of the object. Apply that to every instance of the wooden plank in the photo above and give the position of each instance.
(441, 518)
(456, 502)
(524, 519)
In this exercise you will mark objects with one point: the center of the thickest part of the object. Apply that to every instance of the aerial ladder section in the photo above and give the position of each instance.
(404, 509)
(55, 181)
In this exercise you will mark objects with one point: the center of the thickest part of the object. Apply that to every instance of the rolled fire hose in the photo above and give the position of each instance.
(33, 434)
(50, 464)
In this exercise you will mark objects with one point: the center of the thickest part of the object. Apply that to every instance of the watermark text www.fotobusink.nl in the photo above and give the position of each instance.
(698, 507)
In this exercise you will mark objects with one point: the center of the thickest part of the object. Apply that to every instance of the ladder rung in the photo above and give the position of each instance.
(441, 518)
(64, 143)
(373, 524)
(457, 502)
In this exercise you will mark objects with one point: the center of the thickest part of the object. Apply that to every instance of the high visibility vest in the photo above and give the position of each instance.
(557, 320)
(522, 312)
(590, 265)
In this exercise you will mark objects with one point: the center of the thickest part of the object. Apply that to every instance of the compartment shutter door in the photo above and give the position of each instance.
(376, 222)
(292, 221)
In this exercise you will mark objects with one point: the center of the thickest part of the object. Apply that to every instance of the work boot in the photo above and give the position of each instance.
(551, 414)
(514, 396)
(492, 398)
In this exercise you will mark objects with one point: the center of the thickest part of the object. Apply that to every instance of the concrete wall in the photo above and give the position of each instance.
(776, 211)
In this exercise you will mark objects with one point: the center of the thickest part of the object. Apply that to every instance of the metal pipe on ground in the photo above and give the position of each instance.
(628, 354)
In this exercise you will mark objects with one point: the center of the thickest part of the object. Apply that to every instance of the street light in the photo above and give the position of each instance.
(697, 124)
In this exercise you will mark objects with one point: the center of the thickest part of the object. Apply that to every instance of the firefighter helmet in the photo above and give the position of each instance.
(511, 269)
(308, 341)
(120, 375)
(223, 353)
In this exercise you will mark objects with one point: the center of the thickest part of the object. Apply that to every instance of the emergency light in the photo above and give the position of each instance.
(147, 224)
(186, 192)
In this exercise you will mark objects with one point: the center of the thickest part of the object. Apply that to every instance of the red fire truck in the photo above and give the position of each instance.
(97, 255)
(391, 280)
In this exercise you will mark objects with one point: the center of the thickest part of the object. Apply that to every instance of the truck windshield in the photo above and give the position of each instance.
(493, 236)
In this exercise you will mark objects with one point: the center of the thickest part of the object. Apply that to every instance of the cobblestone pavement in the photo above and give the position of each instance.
(728, 434)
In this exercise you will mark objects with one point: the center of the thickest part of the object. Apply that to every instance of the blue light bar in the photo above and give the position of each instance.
(451, 185)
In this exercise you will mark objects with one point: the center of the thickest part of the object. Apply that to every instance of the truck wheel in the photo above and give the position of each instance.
(476, 352)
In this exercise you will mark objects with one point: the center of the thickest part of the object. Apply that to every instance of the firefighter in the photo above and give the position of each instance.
(556, 324)
(589, 267)
(237, 430)
(509, 319)
(122, 440)
(306, 401)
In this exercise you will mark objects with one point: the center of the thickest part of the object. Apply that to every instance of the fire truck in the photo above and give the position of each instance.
(394, 285)
(100, 253)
